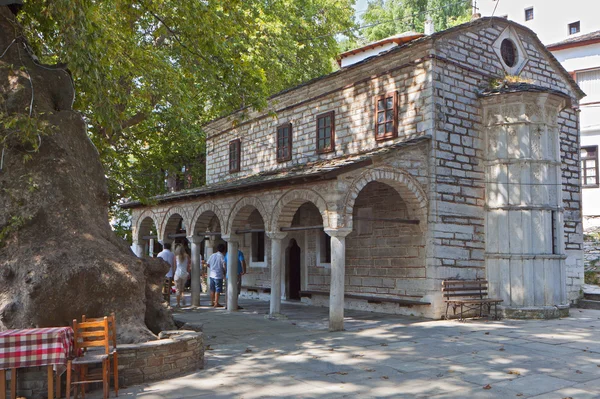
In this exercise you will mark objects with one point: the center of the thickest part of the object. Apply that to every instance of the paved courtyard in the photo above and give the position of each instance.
(386, 356)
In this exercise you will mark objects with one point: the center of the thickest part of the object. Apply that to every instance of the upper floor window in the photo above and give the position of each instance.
(589, 166)
(326, 132)
(529, 14)
(284, 142)
(386, 116)
(574, 28)
(234, 155)
(589, 82)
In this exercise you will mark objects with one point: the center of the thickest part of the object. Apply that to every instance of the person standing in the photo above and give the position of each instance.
(168, 257)
(182, 271)
(217, 268)
(241, 267)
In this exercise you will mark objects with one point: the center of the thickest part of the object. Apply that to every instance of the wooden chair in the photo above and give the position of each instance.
(113, 354)
(90, 334)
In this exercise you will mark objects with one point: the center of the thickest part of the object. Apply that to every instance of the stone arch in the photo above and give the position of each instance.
(406, 185)
(143, 226)
(242, 210)
(203, 215)
(288, 204)
(170, 223)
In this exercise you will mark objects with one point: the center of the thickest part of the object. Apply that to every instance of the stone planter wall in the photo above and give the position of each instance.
(182, 352)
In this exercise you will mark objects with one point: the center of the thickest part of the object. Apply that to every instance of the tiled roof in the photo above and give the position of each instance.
(313, 171)
(578, 39)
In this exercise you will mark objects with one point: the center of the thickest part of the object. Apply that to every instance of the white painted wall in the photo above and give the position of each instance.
(551, 17)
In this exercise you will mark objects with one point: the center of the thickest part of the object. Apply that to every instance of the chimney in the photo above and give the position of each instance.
(429, 27)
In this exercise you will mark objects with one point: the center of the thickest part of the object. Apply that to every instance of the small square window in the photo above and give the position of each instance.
(234, 155)
(589, 166)
(386, 116)
(326, 132)
(574, 28)
(529, 14)
(284, 142)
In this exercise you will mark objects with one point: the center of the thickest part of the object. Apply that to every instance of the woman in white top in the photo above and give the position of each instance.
(182, 271)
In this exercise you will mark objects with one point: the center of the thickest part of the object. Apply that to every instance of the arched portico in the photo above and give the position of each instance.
(175, 221)
(406, 185)
(144, 228)
(288, 204)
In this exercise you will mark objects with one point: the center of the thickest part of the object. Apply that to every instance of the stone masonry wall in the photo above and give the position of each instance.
(465, 64)
(350, 96)
(383, 257)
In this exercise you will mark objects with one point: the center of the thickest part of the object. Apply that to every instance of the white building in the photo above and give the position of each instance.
(572, 34)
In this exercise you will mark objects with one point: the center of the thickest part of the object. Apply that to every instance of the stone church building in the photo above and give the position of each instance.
(414, 163)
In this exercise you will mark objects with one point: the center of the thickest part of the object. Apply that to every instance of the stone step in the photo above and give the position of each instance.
(592, 297)
(588, 304)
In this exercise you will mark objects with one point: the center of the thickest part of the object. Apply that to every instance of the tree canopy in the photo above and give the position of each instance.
(149, 73)
(385, 18)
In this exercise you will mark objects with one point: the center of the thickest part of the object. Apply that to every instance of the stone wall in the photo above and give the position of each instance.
(465, 64)
(349, 95)
(181, 353)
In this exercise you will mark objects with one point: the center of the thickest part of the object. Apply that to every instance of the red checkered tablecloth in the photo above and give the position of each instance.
(35, 347)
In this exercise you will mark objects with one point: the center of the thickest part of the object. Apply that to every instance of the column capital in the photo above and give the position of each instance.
(195, 239)
(340, 232)
(231, 238)
(276, 235)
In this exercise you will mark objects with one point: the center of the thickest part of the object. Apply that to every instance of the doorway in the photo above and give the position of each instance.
(295, 276)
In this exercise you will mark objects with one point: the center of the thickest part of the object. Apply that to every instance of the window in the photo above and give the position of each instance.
(589, 81)
(529, 14)
(284, 142)
(589, 166)
(508, 50)
(386, 116)
(574, 28)
(234, 156)
(326, 132)
(258, 247)
(324, 248)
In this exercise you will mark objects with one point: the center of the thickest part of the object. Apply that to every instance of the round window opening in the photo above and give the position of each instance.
(509, 52)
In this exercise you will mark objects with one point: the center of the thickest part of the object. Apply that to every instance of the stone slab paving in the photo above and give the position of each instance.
(385, 356)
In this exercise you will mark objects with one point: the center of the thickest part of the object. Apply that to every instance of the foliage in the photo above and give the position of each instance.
(150, 73)
(591, 277)
(385, 18)
(14, 223)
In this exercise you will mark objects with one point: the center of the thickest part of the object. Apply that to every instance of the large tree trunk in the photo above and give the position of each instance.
(59, 258)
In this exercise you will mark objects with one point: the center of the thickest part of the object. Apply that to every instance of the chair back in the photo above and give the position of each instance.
(91, 334)
(112, 327)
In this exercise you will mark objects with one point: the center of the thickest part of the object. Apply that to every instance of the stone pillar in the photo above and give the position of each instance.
(525, 251)
(276, 267)
(338, 271)
(150, 249)
(138, 248)
(196, 268)
(232, 272)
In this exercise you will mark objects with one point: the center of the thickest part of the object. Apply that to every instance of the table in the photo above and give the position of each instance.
(34, 347)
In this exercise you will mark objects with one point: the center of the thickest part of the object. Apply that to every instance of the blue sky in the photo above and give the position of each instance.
(360, 5)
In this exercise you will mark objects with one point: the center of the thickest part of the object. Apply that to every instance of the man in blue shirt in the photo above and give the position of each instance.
(241, 266)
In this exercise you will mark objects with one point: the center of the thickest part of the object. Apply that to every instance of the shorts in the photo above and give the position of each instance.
(180, 284)
(216, 285)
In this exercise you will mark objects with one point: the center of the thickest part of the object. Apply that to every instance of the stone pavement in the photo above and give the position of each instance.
(385, 356)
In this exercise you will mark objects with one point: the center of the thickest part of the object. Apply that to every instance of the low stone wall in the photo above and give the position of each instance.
(182, 352)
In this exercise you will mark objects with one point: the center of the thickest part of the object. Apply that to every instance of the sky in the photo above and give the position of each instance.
(360, 5)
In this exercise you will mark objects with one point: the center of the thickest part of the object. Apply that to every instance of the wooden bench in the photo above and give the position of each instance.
(468, 295)
(369, 298)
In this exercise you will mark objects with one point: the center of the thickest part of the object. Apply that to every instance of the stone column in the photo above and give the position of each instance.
(338, 271)
(232, 272)
(138, 248)
(525, 252)
(196, 268)
(276, 266)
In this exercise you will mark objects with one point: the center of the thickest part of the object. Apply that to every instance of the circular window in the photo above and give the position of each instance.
(509, 52)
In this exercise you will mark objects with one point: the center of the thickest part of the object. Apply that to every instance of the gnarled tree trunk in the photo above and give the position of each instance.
(59, 258)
